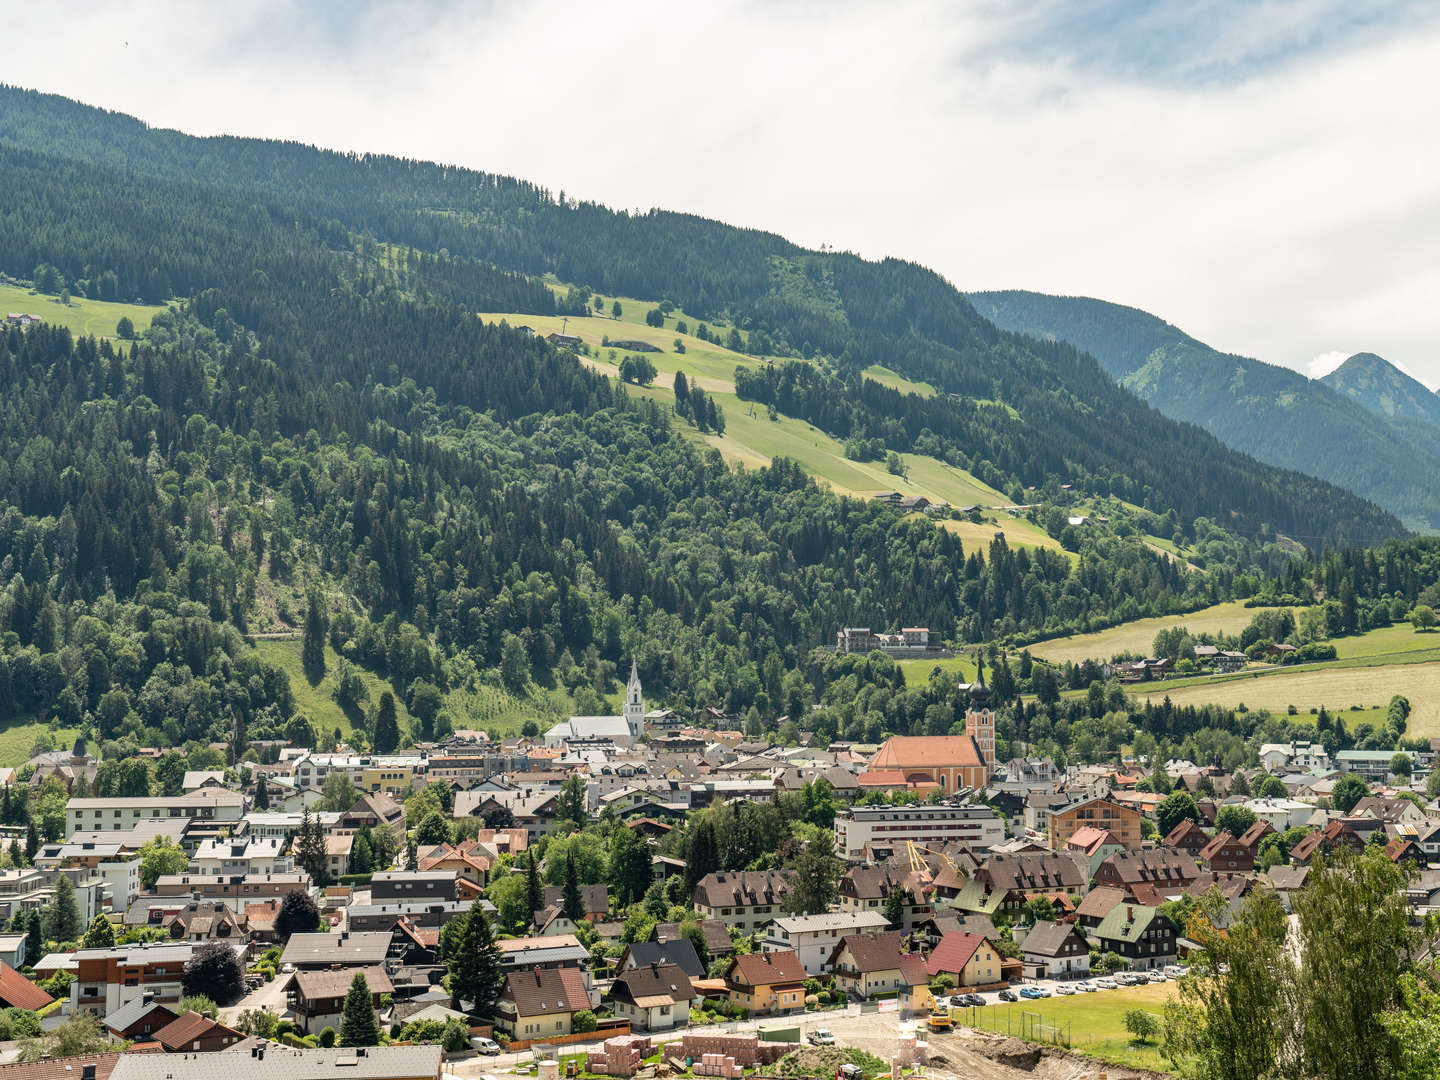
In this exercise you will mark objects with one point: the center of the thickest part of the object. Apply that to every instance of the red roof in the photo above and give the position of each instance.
(928, 751)
(953, 953)
(1088, 838)
(912, 969)
(19, 992)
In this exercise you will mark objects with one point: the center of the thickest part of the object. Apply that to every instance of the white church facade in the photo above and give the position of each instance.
(627, 729)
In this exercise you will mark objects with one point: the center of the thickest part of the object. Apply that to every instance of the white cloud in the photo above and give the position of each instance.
(1272, 212)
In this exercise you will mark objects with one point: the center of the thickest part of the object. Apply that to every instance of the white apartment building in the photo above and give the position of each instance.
(974, 824)
(116, 812)
(241, 856)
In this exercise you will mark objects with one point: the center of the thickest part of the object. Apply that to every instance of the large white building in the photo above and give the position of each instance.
(117, 812)
(627, 729)
(974, 824)
(244, 855)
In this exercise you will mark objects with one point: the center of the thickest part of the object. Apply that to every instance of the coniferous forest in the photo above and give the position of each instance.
(320, 407)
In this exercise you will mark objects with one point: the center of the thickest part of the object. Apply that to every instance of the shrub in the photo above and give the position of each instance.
(327, 1037)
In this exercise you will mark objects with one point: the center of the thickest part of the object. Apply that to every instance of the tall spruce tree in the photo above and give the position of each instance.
(358, 1026)
(476, 976)
(571, 902)
(702, 853)
(534, 894)
(387, 725)
(62, 915)
(312, 651)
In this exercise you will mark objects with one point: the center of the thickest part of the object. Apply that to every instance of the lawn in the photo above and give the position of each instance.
(17, 740)
(318, 701)
(1336, 686)
(1139, 636)
(1017, 532)
(917, 672)
(1095, 1022)
(83, 316)
(893, 379)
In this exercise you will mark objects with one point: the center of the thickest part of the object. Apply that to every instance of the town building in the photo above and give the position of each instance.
(813, 937)
(653, 997)
(1141, 935)
(973, 824)
(626, 729)
(1055, 950)
(320, 995)
(743, 899)
(1122, 822)
(766, 984)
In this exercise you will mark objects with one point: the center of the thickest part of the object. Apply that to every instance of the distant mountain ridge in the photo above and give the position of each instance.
(1383, 388)
(1368, 434)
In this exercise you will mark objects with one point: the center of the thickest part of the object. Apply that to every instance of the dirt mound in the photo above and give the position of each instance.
(826, 1061)
(1011, 1052)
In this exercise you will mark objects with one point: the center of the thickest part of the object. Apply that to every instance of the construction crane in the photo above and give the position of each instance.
(917, 860)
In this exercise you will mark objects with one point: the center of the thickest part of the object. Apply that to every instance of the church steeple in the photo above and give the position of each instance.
(634, 711)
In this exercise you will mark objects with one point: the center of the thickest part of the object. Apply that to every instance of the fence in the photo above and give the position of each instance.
(605, 1029)
(1019, 1022)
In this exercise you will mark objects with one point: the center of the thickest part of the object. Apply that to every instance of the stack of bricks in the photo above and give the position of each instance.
(620, 1056)
(717, 1065)
(745, 1049)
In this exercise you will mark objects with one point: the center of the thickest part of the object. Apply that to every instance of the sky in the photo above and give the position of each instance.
(1262, 174)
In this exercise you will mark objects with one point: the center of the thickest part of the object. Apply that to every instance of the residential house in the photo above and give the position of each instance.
(1141, 935)
(653, 997)
(866, 888)
(1122, 822)
(1098, 903)
(320, 995)
(108, 978)
(967, 958)
(192, 1033)
(18, 992)
(594, 898)
(1094, 845)
(139, 1019)
(678, 953)
(236, 856)
(116, 812)
(1336, 834)
(378, 811)
(1225, 854)
(551, 953)
(1055, 950)
(767, 983)
(813, 937)
(1161, 867)
(717, 936)
(1003, 883)
(1187, 837)
(206, 920)
(541, 1003)
(743, 900)
(870, 965)
(412, 885)
(351, 949)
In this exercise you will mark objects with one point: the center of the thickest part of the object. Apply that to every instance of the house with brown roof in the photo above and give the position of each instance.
(743, 900)
(717, 937)
(1094, 845)
(766, 984)
(192, 1033)
(1188, 837)
(1097, 904)
(138, 1020)
(378, 811)
(1122, 822)
(320, 995)
(206, 920)
(541, 1003)
(653, 997)
(594, 898)
(1225, 854)
(1161, 867)
(967, 958)
(869, 964)
(1335, 834)
(1003, 883)
(18, 992)
(866, 888)
(1055, 950)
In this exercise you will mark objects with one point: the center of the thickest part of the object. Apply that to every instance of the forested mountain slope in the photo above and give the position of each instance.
(322, 425)
(1065, 421)
(1276, 414)
(1383, 388)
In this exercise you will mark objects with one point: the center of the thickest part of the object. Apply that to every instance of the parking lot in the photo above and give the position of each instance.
(1037, 989)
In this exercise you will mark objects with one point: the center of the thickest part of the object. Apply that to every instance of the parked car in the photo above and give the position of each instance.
(821, 1037)
(488, 1047)
(1008, 995)
(974, 1001)
(1106, 984)
(1029, 993)
(1064, 991)
(959, 1001)
(1086, 987)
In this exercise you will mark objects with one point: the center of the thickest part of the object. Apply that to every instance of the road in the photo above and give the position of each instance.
(270, 996)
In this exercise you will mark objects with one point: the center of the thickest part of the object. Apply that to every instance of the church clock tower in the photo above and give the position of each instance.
(634, 711)
(980, 720)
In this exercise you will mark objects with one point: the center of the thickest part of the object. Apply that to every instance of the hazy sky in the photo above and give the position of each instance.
(1265, 175)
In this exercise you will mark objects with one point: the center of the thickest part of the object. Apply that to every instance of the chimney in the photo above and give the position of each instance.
(87, 1072)
(1129, 914)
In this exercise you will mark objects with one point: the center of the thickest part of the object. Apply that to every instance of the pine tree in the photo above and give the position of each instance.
(571, 902)
(262, 794)
(312, 652)
(310, 849)
(896, 901)
(34, 938)
(17, 854)
(387, 725)
(570, 805)
(358, 1026)
(534, 894)
(702, 854)
(32, 842)
(475, 972)
(62, 915)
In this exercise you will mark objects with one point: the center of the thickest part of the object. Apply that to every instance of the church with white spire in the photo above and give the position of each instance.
(627, 729)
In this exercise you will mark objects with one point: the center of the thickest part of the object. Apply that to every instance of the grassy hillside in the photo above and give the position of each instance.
(18, 739)
(1138, 636)
(97, 317)
(752, 439)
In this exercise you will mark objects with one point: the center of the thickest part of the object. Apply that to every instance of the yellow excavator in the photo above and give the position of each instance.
(939, 1018)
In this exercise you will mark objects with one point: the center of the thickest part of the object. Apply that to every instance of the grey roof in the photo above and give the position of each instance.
(352, 948)
(283, 1063)
(849, 921)
(1046, 938)
(681, 953)
(132, 1011)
